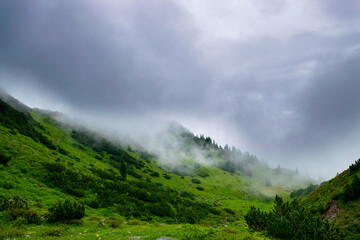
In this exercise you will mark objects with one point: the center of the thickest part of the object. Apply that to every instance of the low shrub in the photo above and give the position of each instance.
(29, 215)
(12, 203)
(114, 223)
(289, 220)
(200, 188)
(197, 181)
(20, 222)
(66, 211)
(54, 232)
(230, 211)
(154, 174)
(4, 159)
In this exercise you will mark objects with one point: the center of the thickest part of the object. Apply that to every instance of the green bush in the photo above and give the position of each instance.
(66, 211)
(21, 221)
(289, 220)
(154, 174)
(29, 215)
(7, 185)
(351, 191)
(197, 181)
(355, 166)
(4, 159)
(7, 203)
(230, 211)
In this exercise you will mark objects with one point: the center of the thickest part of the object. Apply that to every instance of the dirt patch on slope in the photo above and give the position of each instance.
(332, 211)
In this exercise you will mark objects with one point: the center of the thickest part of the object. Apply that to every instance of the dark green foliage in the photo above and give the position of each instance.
(304, 191)
(30, 215)
(68, 180)
(161, 209)
(14, 119)
(62, 151)
(7, 185)
(230, 211)
(66, 211)
(289, 220)
(167, 176)
(201, 172)
(197, 181)
(17, 208)
(351, 191)
(200, 188)
(12, 203)
(154, 174)
(4, 159)
(186, 194)
(138, 199)
(256, 219)
(355, 166)
(123, 170)
(19, 222)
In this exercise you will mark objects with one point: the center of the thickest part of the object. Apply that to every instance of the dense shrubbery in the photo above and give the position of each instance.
(4, 159)
(138, 199)
(289, 220)
(154, 174)
(29, 215)
(14, 119)
(351, 191)
(355, 166)
(66, 211)
(17, 208)
(304, 191)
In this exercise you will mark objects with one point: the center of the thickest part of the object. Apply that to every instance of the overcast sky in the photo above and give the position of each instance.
(278, 78)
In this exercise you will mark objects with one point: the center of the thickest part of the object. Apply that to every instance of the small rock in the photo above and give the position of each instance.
(102, 224)
(163, 238)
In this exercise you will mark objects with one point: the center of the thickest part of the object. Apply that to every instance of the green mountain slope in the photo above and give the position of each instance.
(115, 186)
(338, 200)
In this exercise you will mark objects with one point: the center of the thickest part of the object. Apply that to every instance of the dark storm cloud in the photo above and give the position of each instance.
(69, 48)
(330, 104)
(278, 78)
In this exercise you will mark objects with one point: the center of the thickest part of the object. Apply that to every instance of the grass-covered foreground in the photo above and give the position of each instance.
(133, 229)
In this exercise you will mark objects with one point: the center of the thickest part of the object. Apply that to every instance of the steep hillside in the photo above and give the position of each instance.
(110, 185)
(338, 200)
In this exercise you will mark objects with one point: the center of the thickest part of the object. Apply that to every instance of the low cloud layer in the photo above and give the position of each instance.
(277, 78)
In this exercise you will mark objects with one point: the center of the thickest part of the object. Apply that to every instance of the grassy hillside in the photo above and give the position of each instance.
(338, 200)
(117, 191)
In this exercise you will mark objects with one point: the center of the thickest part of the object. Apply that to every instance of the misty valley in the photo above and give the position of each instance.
(179, 120)
(64, 180)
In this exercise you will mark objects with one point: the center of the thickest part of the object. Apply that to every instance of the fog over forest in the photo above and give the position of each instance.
(279, 79)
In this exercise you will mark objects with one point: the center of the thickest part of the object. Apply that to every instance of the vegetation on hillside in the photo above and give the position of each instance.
(339, 201)
(85, 181)
(290, 220)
